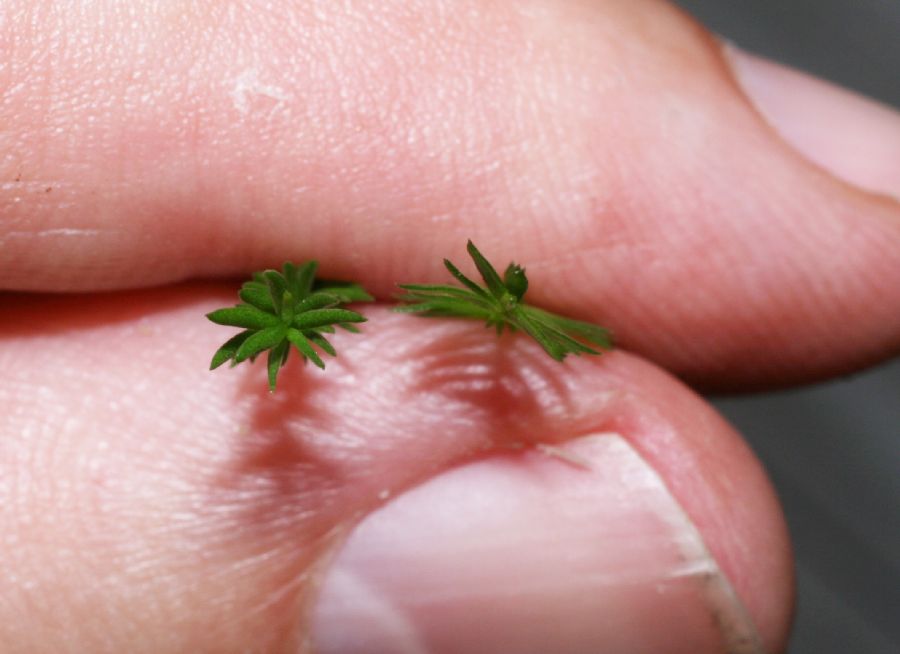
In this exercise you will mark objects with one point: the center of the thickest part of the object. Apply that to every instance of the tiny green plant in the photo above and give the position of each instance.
(500, 304)
(285, 308)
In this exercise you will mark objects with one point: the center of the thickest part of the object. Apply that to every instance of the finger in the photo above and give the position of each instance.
(151, 505)
(609, 148)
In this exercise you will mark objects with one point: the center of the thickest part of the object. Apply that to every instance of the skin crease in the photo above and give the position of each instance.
(145, 499)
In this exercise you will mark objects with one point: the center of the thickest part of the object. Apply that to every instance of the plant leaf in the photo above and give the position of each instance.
(288, 307)
(257, 295)
(318, 300)
(229, 349)
(444, 289)
(448, 307)
(322, 342)
(568, 343)
(243, 315)
(277, 358)
(347, 292)
(290, 272)
(472, 286)
(488, 273)
(546, 341)
(564, 342)
(262, 340)
(417, 292)
(319, 317)
(305, 276)
(585, 330)
(303, 345)
(277, 286)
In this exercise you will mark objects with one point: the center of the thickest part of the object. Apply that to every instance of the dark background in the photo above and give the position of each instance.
(833, 450)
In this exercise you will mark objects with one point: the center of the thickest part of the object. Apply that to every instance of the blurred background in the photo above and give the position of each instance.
(833, 450)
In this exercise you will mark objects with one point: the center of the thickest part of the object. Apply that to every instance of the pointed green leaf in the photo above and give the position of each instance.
(546, 341)
(305, 277)
(488, 273)
(290, 273)
(318, 300)
(304, 347)
(277, 286)
(276, 360)
(448, 307)
(565, 342)
(463, 297)
(322, 342)
(288, 307)
(229, 349)
(243, 315)
(420, 292)
(260, 341)
(347, 292)
(346, 326)
(319, 317)
(442, 289)
(257, 295)
(472, 286)
(585, 330)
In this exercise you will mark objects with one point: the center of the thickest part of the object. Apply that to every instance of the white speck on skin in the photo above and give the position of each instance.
(59, 231)
(247, 84)
(68, 232)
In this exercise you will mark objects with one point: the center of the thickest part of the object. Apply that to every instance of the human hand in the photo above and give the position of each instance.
(149, 505)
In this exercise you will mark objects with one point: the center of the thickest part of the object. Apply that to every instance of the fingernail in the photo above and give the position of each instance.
(852, 137)
(581, 549)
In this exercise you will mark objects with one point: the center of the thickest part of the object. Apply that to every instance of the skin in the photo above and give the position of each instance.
(164, 146)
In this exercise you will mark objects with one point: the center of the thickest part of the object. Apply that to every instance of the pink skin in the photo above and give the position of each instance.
(606, 146)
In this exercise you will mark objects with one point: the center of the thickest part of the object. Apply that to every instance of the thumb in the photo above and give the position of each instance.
(508, 504)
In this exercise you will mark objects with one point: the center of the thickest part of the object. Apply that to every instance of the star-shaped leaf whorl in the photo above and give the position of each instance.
(281, 309)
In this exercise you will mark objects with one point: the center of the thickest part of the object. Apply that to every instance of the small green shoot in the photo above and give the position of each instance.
(500, 304)
(280, 309)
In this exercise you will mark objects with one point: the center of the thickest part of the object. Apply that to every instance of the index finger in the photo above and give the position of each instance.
(608, 149)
